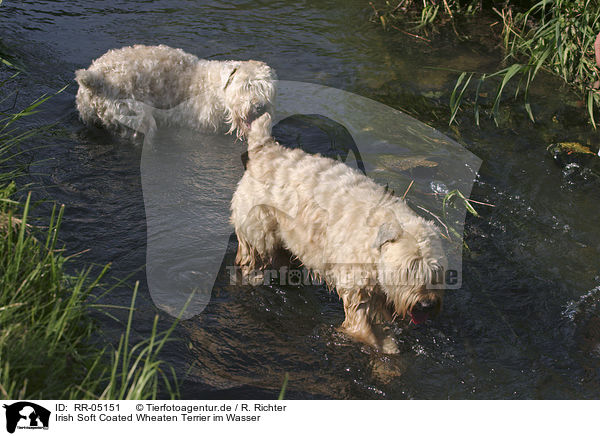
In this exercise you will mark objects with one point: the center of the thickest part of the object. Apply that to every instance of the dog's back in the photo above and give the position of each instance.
(320, 204)
(207, 95)
(155, 75)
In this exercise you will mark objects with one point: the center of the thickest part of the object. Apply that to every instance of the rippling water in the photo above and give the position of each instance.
(525, 324)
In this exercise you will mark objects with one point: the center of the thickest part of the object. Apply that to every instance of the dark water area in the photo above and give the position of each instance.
(526, 322)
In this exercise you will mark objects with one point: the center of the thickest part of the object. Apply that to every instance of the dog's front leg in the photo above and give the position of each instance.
(360, 313)
(357, 323)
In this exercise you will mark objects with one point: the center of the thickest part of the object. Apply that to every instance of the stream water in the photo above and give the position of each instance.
(524, 324)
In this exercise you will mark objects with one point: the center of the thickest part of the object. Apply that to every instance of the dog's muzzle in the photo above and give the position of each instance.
(424, 310)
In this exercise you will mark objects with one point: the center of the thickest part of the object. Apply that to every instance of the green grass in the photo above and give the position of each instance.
(556, 36)
(283, 387)
(49, 342)
(135, 371)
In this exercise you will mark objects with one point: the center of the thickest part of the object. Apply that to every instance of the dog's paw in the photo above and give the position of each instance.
(389, 346)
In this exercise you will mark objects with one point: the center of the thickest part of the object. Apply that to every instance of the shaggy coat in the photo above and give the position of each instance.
(380, 256)
(201, 94)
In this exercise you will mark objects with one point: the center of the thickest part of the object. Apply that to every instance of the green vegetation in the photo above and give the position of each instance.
(49, 347)
(556, 36)
(283, 387)
(422, 15)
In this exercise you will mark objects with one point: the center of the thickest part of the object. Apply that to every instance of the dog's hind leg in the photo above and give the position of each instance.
(257, 240)
(247, 258)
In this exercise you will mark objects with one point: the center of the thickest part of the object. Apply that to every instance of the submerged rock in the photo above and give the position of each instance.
(402, 163)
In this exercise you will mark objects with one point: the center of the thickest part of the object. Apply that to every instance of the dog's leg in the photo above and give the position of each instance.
(362, 308)
(380, 312)
(380, 309)
(247, 258)
(357, 322)
(257, 241)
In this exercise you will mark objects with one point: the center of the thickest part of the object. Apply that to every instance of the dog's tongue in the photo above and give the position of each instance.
(419, 317)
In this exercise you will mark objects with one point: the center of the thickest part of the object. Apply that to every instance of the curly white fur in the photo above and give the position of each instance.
(192, 92)
(379, 255)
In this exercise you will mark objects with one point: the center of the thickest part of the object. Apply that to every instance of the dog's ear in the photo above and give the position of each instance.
(388, 232)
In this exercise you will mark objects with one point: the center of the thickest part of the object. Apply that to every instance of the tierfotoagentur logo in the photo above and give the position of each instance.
(350, 274)
(25, 415)
(188, 180)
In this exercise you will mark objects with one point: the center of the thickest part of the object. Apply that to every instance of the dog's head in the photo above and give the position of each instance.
(249, 93)
(411, 267)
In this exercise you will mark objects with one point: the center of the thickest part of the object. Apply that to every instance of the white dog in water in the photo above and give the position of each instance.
(121, 85)
(381, 257)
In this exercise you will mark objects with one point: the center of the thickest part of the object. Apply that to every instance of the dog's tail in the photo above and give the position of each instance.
(259, 133)
(88, 79)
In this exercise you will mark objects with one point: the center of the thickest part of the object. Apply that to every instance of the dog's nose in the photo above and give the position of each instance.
(425, 306)
(260, 108)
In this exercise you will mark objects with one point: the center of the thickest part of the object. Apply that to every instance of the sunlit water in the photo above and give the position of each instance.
(526, 322)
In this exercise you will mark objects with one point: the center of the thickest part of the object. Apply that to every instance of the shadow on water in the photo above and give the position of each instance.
(526, 322)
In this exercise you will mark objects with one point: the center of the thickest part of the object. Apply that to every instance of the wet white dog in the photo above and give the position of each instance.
(144, 84)
(381, 257)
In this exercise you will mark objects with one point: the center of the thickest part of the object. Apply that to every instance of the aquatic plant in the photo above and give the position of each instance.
(423, 15)
(556, 36)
